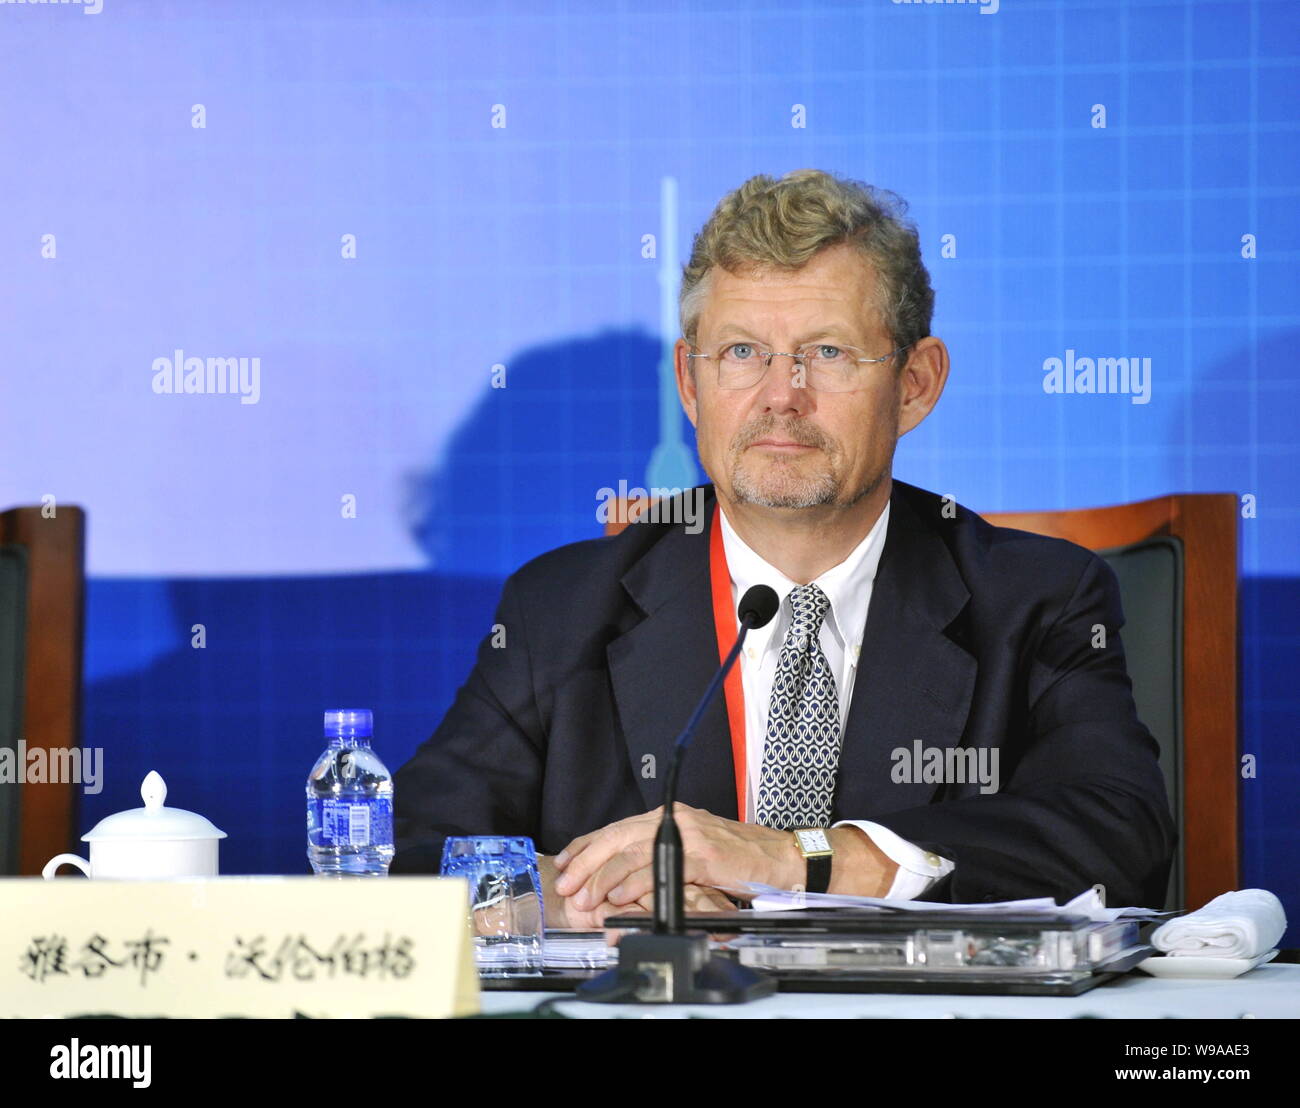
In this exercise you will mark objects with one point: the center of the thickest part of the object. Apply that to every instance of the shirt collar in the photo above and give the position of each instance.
(846, 586)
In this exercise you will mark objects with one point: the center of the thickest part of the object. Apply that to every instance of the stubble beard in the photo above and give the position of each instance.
(781, 484)
(781, 487)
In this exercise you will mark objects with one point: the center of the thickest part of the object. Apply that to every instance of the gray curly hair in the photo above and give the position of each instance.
(780, 224)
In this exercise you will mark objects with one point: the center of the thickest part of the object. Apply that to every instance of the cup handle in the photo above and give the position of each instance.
(65, 859)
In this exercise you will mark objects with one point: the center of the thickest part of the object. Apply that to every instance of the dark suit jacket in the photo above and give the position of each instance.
(976, 636)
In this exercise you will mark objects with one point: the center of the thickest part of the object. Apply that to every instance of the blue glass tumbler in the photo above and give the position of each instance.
(505, 900)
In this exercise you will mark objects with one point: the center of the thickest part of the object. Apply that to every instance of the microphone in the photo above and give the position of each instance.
(669, 964)
(757, 607)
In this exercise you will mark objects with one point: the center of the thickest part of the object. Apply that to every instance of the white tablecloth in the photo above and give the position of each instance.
(1270, 992)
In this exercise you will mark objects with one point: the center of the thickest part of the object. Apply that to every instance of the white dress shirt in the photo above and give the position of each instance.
(848, 587)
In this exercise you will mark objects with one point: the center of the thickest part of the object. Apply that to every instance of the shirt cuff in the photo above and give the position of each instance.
(917, 869)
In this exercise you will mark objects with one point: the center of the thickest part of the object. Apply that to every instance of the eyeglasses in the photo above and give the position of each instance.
(826, 367)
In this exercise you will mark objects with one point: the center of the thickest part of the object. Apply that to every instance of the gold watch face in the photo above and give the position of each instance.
(813, 842)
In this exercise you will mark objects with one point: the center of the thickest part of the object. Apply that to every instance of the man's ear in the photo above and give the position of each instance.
(686, 380)
(921, 382)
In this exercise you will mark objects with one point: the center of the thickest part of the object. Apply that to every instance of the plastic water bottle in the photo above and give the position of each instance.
(349, 801)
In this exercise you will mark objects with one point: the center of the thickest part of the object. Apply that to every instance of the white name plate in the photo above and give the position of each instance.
(237, 946)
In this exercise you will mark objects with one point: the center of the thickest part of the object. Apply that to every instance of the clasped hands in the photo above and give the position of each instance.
(611, 870)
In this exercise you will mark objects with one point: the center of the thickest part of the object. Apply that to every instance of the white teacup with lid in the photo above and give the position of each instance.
(151, 842)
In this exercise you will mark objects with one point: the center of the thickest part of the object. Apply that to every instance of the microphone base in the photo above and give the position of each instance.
(679, 970)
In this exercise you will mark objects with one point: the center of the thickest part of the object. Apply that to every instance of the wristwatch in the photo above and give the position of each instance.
(815, 845)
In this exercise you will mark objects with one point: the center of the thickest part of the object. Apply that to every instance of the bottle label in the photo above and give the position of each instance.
(352, 822)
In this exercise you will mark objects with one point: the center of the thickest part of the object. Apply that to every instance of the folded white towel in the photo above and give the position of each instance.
(1243, 924)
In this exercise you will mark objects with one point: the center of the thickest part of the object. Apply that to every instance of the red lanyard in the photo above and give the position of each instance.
(724, 622)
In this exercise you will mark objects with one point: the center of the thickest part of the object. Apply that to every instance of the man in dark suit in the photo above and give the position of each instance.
(941, 708)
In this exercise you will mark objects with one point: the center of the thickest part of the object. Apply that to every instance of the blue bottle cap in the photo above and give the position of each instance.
(348, 723)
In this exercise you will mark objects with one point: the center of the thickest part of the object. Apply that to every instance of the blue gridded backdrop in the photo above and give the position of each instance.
(193, 179)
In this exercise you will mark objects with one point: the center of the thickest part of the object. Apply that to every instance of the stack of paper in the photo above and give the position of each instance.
(1087, 903)
(567, 949)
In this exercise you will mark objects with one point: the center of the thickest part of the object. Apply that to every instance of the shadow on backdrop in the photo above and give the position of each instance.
(234, 727)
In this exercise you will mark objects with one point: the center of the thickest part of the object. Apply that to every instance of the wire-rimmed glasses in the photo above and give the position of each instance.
(826, 366)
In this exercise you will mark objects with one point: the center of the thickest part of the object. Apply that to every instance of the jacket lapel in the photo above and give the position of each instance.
(661, 667)
(914, 683)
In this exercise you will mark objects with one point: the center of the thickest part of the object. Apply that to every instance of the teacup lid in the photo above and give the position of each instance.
(153, 821)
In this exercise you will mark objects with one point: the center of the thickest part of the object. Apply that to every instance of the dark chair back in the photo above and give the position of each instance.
(1176, 561)
(42, 605)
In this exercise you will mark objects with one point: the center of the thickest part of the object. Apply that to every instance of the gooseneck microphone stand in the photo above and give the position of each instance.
(668, 964)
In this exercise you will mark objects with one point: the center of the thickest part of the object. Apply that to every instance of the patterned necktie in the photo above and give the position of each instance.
(802, 751)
